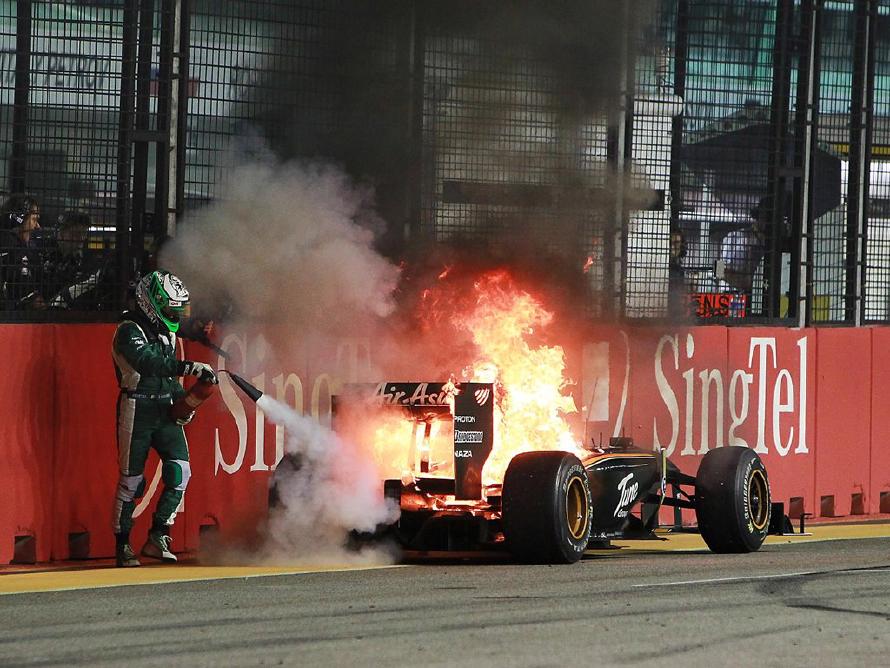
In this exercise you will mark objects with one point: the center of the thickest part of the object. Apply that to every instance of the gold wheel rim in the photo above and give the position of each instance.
(577, 510)
(758, 499)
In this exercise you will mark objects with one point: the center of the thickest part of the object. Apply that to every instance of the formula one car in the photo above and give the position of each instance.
(551, 505)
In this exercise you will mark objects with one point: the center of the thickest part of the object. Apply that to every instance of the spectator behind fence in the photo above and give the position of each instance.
(20, 264)
(742, 250)
(77, 275)
(678, 285)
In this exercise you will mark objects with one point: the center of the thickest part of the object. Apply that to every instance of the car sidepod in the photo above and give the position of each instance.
(617, 482)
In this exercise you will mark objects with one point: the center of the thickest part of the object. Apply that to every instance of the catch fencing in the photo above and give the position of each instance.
(718, 161)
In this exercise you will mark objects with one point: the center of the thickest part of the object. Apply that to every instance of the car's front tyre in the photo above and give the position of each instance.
(732, 500)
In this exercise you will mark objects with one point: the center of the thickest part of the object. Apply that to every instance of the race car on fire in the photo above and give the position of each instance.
(543, 506)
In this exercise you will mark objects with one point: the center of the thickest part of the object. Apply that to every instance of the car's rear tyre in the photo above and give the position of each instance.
(547, 508)
(732, 500)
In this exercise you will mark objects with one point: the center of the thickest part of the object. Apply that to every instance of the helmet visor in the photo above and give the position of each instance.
(176, 312)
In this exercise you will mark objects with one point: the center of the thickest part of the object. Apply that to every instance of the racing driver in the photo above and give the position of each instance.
(144, 353)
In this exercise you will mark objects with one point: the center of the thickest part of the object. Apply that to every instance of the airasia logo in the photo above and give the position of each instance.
(762, 392)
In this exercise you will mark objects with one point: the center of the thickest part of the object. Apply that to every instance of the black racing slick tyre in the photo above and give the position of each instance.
(547, 508)
(732, 500)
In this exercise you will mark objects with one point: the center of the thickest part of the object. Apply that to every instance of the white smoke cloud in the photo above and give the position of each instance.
(290, 249)
(288, 243)
(334, 489)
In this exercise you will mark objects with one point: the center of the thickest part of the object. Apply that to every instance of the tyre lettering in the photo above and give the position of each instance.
(746, 500)
(574, 471)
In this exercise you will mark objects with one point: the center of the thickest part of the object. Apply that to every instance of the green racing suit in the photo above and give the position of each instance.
(146, 367)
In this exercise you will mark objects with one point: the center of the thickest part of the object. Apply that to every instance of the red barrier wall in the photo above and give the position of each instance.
(843, 434)
(27, 434)
(879, 436)
(692, 390)
(809, 401)
(85, 469)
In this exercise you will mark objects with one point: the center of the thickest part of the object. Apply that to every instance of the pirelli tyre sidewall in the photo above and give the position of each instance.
(547, 507)
(732, 500)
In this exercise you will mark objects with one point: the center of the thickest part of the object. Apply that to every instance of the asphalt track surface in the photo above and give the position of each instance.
(794, 603)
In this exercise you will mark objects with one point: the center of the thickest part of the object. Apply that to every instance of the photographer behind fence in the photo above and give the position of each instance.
(742, 250)
(21, 266)
(77, 276)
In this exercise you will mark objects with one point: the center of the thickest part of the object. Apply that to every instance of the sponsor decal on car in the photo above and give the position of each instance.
(628, 493)
(482, 396)
(410, 394)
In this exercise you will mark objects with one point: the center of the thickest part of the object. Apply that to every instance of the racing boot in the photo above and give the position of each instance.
(125, 557)
(158, 547)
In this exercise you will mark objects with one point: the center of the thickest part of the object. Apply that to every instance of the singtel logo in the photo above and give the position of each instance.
(766, 402)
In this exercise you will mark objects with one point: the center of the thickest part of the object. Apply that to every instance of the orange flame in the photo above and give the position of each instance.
(588, 264)
(495, 323)
(531, 379)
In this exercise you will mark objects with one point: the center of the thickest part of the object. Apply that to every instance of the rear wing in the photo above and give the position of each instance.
(469, 406)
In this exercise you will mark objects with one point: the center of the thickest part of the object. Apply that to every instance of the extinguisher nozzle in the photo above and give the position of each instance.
(248, 389)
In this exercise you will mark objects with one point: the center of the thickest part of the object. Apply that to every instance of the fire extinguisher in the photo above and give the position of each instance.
(184, 408)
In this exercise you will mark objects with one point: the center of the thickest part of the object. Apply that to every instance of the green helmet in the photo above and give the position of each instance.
(163, 298)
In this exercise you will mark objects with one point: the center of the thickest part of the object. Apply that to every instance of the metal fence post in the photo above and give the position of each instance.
(861, 110)
(805, 138)
(414, 52)
(681, 54)
(19, 158)
(141, 138)
(618, 158)
(169, 183)
(182, 104)
(777, 173)
(125, 139)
